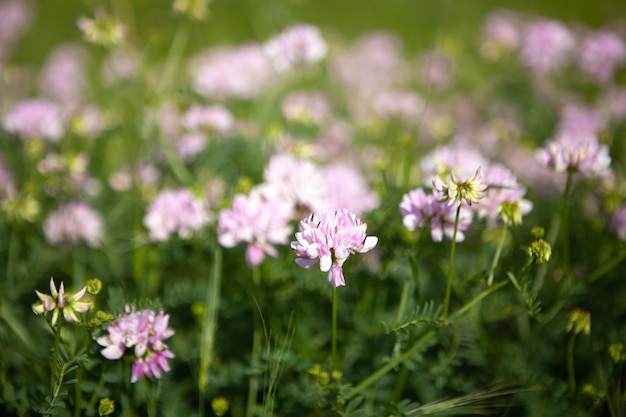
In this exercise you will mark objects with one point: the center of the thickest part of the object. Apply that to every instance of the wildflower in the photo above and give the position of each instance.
(503, 197)
(35, 119)
(175, 212)
(216, 118)
(231, 72)
(600, 54)
(539, 251)
(58, 302)
(456, 192)
(579, 120)
(63, 76)
(307, 108)
(404, 105)
(458, 158)
(296, 45)
(72, 223)
(259, 219)
(546, 46)
(435, 70)
(94, 286)
(421, 210)
(330, 239)
(579, 322)
(190, 145)
(576, 153)
(15, 18)
(501, 33)
(299, 180)
(120, 65)
(104, 30)
(145, 332)
(347, 188)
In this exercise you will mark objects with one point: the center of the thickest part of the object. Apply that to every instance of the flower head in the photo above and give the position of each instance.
(576, 153)
(456, 191)
(175, 212)
(546, 46)
(296, 45)
(330, 239)
(60, 302)
(600, 55)
(35, 119)
(579, 322)
(260, 219)
(72, 223)
(144, 332)
(421, 210)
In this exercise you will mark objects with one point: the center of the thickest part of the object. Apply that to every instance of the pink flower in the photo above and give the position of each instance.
(501, 33)
(546, 46)
(420, 210)
(304, 107)
(297, 45)
(72, 223)
(502, 188)
(215, 117)
(347, 188)
(617, 223)
(330, 239)
(15, 18)
(175, 212)
(35, 119)
(236, 72)
(63, 76)
(259, 219)
(145, 332)
(576, 153)
(600, 54)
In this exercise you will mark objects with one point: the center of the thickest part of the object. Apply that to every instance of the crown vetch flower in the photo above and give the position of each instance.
(457, 191)
(60, 302)
(427, 210)
(576, 153)
(72, 223)
(330, 239)
(145, 332)
(298, 44)
(261, 219)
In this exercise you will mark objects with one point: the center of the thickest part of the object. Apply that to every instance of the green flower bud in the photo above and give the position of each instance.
(540, 251)
(220, 406)
(106, 407)
(94, 286)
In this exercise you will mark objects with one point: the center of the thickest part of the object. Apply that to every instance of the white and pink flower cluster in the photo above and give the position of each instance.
(73, 223)
(330, 239)
(144, 332)
(292, 185)
(477, 187)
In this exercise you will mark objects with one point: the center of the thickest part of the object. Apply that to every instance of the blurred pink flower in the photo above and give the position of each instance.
(546, 46)
(260, 219)
(617, 222)
(215, 117)
(421, 210)
(231, 72)
(63, 77)
(435, 70)
(330, 239)
(347, 188)
(175, 212)
(304, 107)
(501, 33)
(298, 180)
(300, 44)
(576, 153)
(15, 18)
(502, 187)
(35, 119)
(402, 104)
(190, 145)
(72, 223)
(600, 54)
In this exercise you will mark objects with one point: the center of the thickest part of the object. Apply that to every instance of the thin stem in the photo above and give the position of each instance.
(175, 54)
(150, 398)
(565, 224)
(496, 257)
(446, 301)
(422, 341)
(570, 364)
(334, 330)
(77, 392)
(54, 359)
(253, 385)
(606, 267)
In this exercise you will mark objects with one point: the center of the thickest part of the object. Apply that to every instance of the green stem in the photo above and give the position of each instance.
(606, 267)
(253, 386)
(446, 301)
(570, 364)
(565, 224)
(175, 54)
(209, 326)
(54, 359)
(334, 331)
(422, 341)
(96, 393)
(496, 257)
(150, 398)
(78, 396)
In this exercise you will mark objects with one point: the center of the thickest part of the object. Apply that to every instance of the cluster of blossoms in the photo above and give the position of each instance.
(60, 302)
(330, 239)
(72, 223)
(259, 219)
(297, 45)
(36, 118)
(576, 153)
(175, 212)
(145, 332)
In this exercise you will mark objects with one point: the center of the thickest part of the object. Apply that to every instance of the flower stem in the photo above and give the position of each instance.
(446, 301)
(570, 364)
(496, 257)
(422, 341)
(334, 330)
(565, 224)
